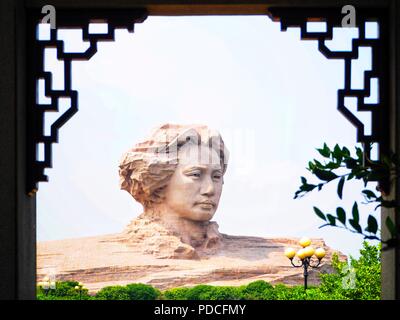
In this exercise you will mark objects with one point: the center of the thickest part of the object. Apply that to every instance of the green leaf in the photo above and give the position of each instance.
(307, 187)
(303, 180)
(351, 176)
(319, 213)
(325, 151)
(350, 163)
(372, 225)
(341, 215)
(359, 173)
(325, 175)
(346, 152)
(369, 194)
(337, 153)
(356, 215)
(318, 164)
(365, 182)
(331, 219)
(340, 187)
(332, 165)
(391, 227)
(355, 225)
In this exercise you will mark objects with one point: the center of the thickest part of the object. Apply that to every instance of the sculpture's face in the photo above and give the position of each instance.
(195, 187)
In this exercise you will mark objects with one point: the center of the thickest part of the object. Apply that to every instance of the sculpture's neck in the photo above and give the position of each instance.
(195, 233)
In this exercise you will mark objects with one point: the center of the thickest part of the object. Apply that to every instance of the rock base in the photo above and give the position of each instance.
(118, 260)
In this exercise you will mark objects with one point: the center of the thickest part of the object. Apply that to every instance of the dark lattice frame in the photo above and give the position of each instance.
(288, 17)
(66, 19)
(298, 17)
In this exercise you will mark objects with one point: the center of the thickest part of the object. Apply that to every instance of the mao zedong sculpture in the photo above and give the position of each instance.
(177, 174)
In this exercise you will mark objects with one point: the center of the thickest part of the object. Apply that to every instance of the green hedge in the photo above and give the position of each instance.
(358, 280)
(134, 291)
(113, 293)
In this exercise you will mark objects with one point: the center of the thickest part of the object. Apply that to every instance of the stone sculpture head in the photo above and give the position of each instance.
(177, 173)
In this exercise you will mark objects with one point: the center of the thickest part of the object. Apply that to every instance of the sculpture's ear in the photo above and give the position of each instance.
(157, 196)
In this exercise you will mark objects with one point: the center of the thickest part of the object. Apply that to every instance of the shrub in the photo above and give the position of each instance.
(359, 280)
(140, 291)
(224, 293)
(204, 292)
(176, 293)
(258, 290)
(283, 292)
(113, 293)
(268, 294)
(368, 273)
(200, 292)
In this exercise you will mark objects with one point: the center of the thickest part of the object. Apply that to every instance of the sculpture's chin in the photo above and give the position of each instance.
(201, 215)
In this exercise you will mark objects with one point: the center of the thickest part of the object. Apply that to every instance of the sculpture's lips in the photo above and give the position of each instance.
(207, 202)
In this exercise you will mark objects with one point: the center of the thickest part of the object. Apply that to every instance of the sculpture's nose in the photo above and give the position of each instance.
(207, 187)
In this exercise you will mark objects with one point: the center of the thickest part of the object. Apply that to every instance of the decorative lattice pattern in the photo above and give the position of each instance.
(299, 17)
(65, 19)
(288, 17)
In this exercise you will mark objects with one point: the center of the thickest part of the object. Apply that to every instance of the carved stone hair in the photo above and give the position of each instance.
(146, 169)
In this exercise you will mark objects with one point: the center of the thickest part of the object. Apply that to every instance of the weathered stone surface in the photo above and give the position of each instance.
(122, 259)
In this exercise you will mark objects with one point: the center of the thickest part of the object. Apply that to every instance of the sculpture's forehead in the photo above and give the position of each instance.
(191, 154)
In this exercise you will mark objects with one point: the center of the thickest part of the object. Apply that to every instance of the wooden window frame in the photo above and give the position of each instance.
(18, 211)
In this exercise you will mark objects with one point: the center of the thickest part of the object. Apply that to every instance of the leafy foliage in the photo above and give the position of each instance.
(113, 293)
(176, 293)
(335, 162)
(206, 292)
(200, 292)
(360, 280)
(224, 293)
(258, 290)
(140, 291)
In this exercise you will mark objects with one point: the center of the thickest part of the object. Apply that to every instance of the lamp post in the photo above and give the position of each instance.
(304, 256)
(47, 285)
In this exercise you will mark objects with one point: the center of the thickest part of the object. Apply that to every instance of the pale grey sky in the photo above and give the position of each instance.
(272, 97)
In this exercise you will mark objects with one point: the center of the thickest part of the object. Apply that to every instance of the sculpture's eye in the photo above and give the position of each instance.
(217, 177)
(195, 174)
